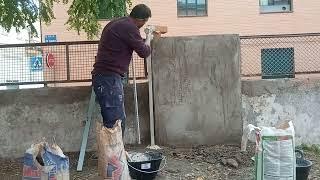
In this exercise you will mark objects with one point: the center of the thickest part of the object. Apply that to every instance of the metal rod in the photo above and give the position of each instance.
(279, 36)
(68, 62)
(96, 42)
(53, 82)
(151, 114)
(149, 30)
(48, 44)
(136, 105)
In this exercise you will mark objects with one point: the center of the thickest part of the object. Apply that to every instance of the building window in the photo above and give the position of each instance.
(192, 7)
(277, 63)
(270, 6)
(109, 9)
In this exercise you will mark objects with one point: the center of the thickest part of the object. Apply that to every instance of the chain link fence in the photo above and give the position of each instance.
(273, 56)
(279, 56)
(47, 63)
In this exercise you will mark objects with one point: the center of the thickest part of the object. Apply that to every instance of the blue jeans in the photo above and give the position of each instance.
(109, 92)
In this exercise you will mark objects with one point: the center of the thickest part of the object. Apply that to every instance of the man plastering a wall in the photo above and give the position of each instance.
(119, 39)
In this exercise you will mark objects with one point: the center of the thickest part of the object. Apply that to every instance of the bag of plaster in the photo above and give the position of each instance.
(112, 159)
(275, 151)
(45, 162)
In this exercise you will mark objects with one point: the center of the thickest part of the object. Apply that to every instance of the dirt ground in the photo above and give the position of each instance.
(199, 163)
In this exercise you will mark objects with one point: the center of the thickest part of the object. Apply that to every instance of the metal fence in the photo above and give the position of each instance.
(271, 56)
(277, 56)
(45, 63)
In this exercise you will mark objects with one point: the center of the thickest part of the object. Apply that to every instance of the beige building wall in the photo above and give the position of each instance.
(224, 17)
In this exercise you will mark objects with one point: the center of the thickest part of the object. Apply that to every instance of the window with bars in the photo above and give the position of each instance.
(269, 6)
(277, 63)
(192, 8)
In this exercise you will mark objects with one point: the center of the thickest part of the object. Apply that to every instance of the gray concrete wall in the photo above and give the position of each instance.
(265, 102)
(28, 115)
(197, 90)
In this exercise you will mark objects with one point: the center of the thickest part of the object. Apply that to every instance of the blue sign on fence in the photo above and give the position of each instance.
(50, 38)
(36, 63)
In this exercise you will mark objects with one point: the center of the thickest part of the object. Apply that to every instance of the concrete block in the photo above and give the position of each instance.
(197, 90)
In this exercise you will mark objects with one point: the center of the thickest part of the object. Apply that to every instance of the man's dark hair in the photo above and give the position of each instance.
(141, 11)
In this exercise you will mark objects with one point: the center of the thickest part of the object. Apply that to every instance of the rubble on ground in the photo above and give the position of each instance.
(224, 162)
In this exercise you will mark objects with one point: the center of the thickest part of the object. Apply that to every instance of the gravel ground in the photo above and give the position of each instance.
(199, 163)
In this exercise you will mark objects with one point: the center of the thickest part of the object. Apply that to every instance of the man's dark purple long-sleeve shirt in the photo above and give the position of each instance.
(118, 41)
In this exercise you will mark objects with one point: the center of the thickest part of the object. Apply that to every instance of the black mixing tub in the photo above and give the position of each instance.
(147, 167)
(303, 166)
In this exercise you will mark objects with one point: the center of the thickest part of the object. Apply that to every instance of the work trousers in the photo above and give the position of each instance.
(109, 92)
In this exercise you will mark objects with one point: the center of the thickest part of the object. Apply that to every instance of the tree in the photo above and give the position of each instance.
(83, 14)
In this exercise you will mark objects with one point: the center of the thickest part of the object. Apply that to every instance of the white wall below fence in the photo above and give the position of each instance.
(28, 115)
(265, 102)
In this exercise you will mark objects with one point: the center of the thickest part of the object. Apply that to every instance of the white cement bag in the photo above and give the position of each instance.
(275, 151)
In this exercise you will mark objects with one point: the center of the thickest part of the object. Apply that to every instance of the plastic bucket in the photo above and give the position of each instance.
(303, 166)
(146, 169)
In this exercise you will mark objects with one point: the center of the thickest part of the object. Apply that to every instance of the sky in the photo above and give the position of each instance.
(13, 37)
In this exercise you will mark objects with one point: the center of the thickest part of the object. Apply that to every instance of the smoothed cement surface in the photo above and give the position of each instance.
(197, 90)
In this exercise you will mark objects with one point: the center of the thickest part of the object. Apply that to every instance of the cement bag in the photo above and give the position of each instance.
(112, 161)
(43, 162)
(275, 151)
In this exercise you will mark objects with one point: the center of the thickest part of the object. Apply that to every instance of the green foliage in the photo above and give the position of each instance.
(111, 9)
(83, 14)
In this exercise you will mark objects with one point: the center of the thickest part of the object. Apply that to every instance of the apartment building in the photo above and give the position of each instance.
(200, 17)
(282, 56)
